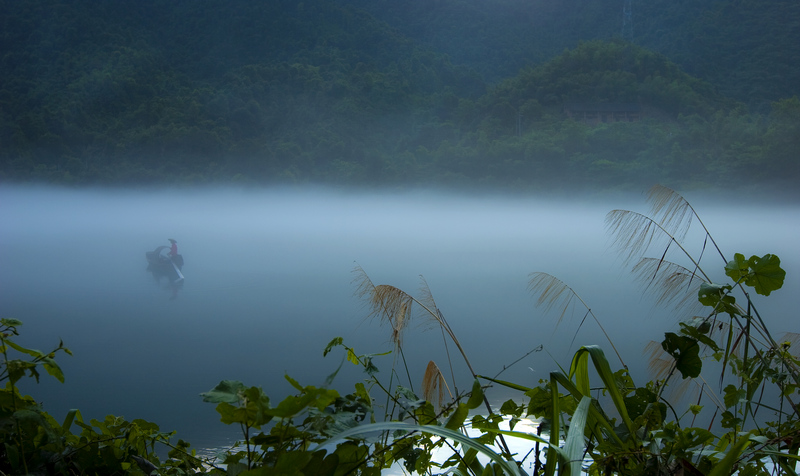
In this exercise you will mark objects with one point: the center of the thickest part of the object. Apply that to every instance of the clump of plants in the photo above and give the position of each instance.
(591, 418)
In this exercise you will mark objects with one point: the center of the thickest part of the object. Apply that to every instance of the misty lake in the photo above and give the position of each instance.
(268, 283)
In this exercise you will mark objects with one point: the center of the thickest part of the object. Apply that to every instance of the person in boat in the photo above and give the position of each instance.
(173, 254)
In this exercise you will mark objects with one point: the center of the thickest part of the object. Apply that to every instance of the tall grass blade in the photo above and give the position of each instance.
(724, 467)
(508, 467)
(607, 376)
(575, 445)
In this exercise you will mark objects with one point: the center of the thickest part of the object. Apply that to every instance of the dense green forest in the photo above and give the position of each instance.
(398, 94)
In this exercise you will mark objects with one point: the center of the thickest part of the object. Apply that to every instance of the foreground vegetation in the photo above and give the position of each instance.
(591, 418)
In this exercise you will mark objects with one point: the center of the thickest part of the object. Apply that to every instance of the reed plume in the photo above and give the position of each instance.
(434, 386)
(670, 283)
(552, 292)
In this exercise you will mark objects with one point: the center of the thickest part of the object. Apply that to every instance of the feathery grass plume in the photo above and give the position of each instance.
(427, 301)
(633, 234)
(671, 210)
(552, 291)
(386, 303)
(670, 283)
(434, 385)
(676, 213)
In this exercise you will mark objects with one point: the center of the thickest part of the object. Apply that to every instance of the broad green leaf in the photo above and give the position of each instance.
(717, 296)
(540, 402)
(601, 426)
(230, 414)
(767, 274)
(579, 371)
(609, 380)
(6, 322)
(685, 351)
(733, 395)
(226, 391)
(764, 274)
(737, 268)
(311, 396)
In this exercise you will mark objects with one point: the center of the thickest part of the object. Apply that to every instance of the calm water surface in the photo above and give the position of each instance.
(269, 284)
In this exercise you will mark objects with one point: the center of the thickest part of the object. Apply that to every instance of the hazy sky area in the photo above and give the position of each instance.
(268, 285)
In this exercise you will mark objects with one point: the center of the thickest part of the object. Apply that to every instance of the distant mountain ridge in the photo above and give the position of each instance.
(340, 91)
(749, 49)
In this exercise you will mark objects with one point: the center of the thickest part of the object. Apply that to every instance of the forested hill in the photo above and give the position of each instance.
(747, 48)
(202, 91)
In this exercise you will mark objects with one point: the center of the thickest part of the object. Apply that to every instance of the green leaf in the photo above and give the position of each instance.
(476, 397)
(311, 396)
(699, 331)
(718, 297)
(352, 357)
(737, 268)
(457, 418)
(763, 274)
(733, 395)
(767, 274)
(227, 391)
(32, 352)
(603, 370)
(333, 343)
(685, 351)
(53, 369)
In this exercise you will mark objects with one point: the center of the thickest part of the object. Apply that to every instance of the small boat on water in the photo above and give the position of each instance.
(161, 264)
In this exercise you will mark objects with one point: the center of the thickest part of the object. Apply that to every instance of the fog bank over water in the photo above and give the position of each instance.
(269, 284)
